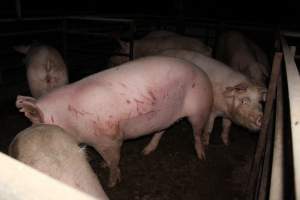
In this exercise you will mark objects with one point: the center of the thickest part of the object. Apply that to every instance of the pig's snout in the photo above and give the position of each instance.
(256, 121)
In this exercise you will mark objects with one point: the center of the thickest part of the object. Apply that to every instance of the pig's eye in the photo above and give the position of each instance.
(245, 100)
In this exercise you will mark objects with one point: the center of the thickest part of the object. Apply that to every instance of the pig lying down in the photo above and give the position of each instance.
(157, 41)
(46, 69)
(243, 55)
(49, 149)
(137, 98)
(236, 98)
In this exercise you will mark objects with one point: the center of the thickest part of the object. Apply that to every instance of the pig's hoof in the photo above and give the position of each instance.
(147, 151)
(114, 179)
(200, 152)
(225, 141)
(205, 140)
(201, 156)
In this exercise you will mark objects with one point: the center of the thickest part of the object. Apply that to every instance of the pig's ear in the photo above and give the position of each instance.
(22, 49)
(28, 106)
(231, 91)
(263, 93)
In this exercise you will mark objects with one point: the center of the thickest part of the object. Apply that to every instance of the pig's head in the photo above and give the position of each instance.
(244, 104)
(28, 106)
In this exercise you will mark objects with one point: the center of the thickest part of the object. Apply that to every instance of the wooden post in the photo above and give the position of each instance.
(293, 81)
(262, 140)
(267, 162)
(277, 176)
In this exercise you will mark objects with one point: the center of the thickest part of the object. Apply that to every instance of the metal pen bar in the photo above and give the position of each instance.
(30, 32)
(103, 19)
(290, 34)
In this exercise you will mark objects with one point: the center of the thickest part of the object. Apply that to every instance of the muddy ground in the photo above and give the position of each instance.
(173, 171)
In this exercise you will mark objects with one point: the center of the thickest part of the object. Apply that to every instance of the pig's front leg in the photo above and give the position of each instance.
(208, 128)
(110, 152)
(226, 123)
(153, 143)
(197, 123)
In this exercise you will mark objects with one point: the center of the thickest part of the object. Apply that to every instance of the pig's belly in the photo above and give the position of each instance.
(149, 122)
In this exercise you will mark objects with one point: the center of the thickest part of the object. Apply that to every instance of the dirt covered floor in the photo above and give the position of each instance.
(173, 171)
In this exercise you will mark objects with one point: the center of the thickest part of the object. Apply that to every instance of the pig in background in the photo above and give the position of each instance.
(46, 69)
(137, 98)
(157, 41)
(49, 149)
(236, 98)
(243, 55)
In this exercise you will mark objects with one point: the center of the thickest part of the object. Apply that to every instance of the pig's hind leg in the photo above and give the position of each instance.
(110, 152)
(197, 122)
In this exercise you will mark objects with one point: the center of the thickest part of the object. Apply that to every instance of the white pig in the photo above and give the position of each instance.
(236, 98)
(137, 98)
(157, 41)
(243, 55)
(46, 69)
(49, 149)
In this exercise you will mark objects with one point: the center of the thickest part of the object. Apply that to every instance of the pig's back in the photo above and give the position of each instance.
(216, 70)
(152, 45)
(39, 140)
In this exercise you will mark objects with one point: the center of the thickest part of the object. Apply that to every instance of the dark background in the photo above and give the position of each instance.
(283, 12)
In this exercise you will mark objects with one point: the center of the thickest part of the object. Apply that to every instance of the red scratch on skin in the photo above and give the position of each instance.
(150, 114)
(152, 95)
(110, 124)
(98, 130)
(138, 101)
(77, 112)
(124, 85)
(52, 119)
